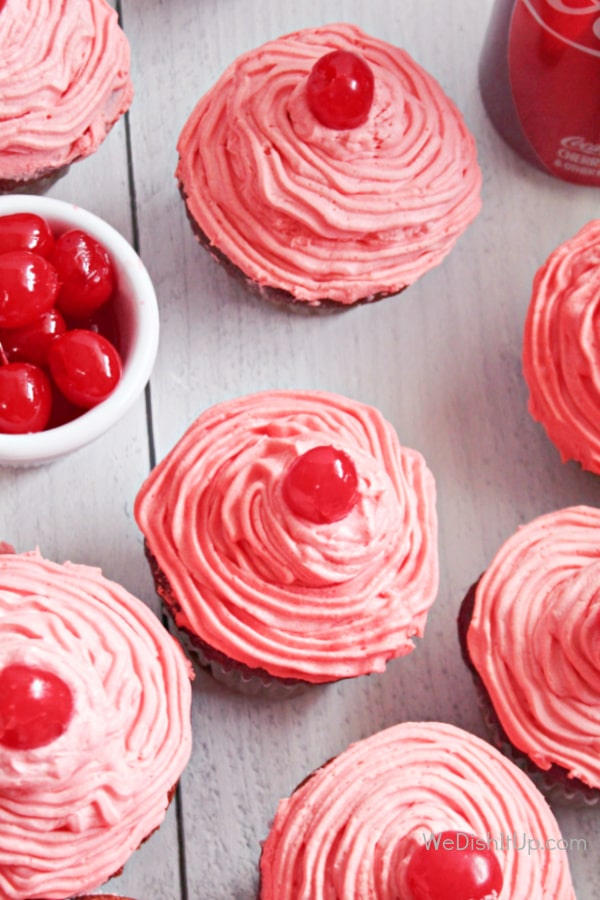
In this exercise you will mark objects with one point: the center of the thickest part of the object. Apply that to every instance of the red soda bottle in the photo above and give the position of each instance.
(539, 77)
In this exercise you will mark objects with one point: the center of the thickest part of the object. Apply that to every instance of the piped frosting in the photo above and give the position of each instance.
(64, 82)
(561, 347)
(534, 639)
(270, 589)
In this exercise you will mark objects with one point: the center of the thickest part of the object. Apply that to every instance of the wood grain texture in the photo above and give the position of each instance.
(442, 362)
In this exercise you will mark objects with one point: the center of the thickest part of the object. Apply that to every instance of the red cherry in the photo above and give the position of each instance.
(32, 342)
(455, 866)
(28, 287)
(340, 90)
(25, 231)
(35, 707)
(85, 366)
(321, 485)
(25, 398)
(85, 272)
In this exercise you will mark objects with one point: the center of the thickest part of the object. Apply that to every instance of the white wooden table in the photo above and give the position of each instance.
(442, 362)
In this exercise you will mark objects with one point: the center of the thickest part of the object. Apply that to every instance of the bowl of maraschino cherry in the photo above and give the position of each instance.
(78, 328)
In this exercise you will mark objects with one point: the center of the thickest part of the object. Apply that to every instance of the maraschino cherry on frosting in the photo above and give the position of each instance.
(453, 866)
(340, 90)
(36, 706)
(321, 485)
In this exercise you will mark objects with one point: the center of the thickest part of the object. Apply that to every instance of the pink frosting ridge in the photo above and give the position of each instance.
(350, 829)
(64, 82)
(320, 213)
(73, 811)
(534, 639)
(268, 588)
(560, 349)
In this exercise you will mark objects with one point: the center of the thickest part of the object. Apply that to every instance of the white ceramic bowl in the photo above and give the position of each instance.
(137, 312)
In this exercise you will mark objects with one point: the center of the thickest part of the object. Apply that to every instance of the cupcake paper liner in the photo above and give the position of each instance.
(235, 675)
(39, 185)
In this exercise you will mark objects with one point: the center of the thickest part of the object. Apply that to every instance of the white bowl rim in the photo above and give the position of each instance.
(44, 446)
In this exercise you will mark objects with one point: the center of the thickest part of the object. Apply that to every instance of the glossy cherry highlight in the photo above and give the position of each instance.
(36, 706)
(28, 287)
(454, 866)
(321, 485)
(25, 231)
(85, 271)
(340, 90)
(25, 397)
(85, 366)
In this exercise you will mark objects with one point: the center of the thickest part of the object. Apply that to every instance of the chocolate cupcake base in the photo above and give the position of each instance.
(555, 783)
(39, 185)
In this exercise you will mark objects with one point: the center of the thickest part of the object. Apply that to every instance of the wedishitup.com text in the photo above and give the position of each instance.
(503, 843)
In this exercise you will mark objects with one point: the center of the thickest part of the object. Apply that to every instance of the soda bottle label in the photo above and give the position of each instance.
(554, 68)
(576, 22)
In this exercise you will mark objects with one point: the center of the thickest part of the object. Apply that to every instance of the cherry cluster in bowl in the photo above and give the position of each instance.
(59, 334)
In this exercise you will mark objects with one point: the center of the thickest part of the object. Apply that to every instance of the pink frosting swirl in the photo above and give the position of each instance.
(560, 348)
(73, 811)
(64, 81)
(349, 830)
(320, 213)
(268, 588)
(534, 638)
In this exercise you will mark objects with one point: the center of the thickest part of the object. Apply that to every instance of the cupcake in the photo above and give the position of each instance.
(561, 363)
(414, 807)
(64, 82)
(529, 632)
(327, 168)
(94, 726)
(292, 539)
